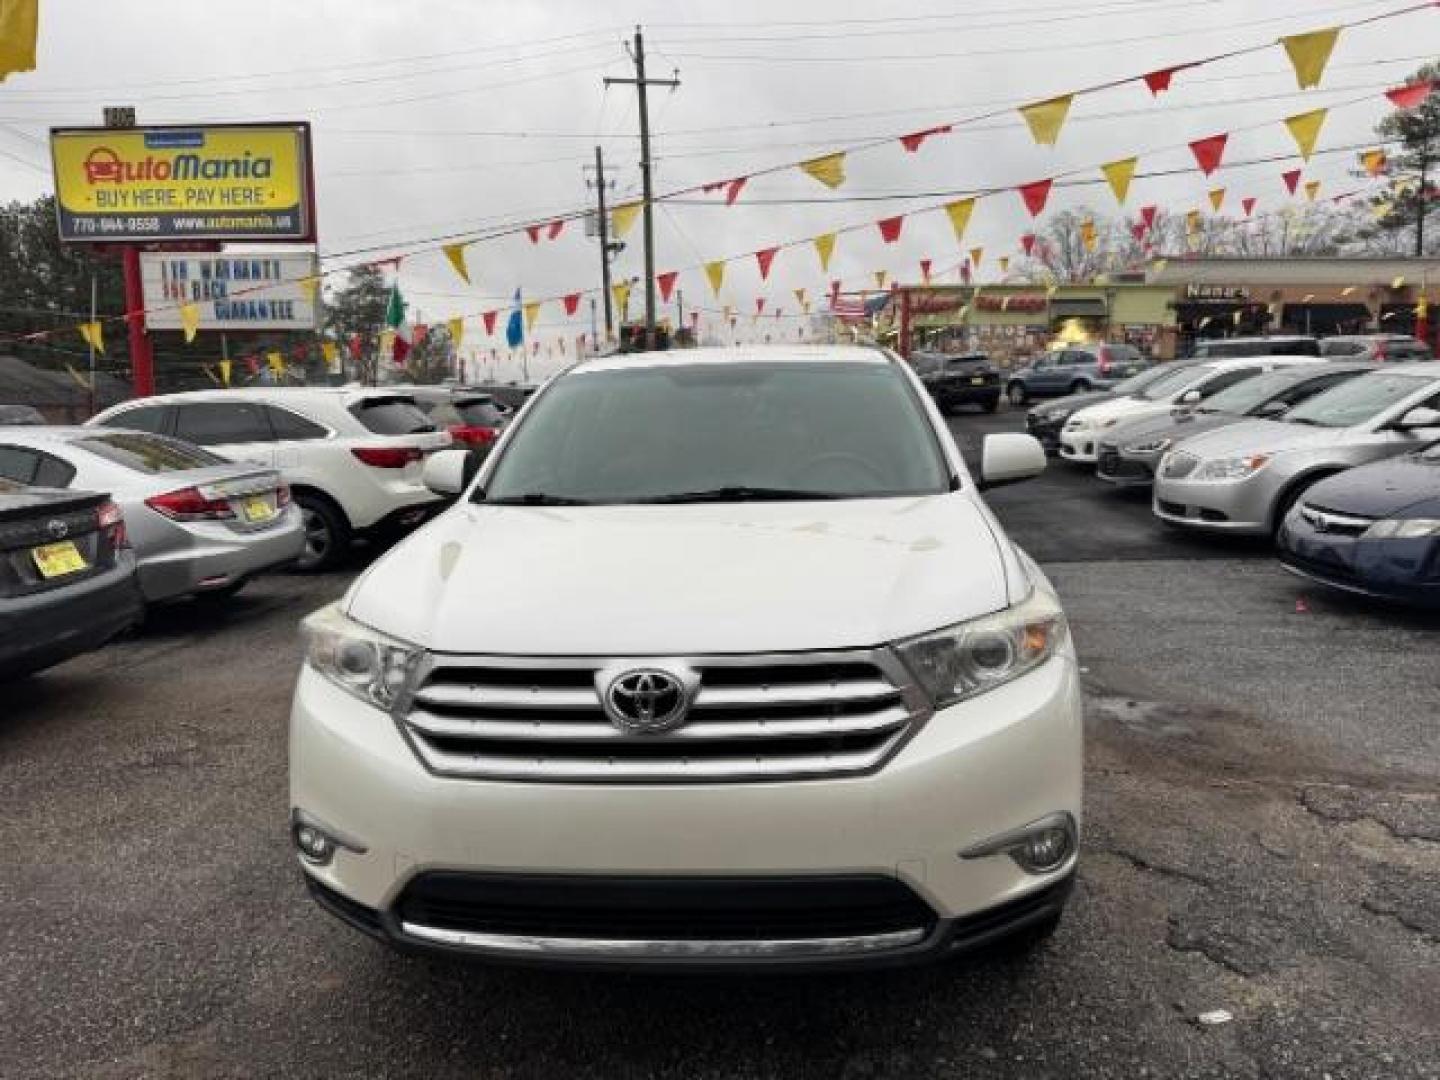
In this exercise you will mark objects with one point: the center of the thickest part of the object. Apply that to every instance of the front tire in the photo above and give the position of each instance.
(327, 533)
(1017, 394)
(1079, 386)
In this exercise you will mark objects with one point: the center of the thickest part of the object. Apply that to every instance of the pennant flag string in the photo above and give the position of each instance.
(829, 170)
(1305, 129)
(1046, 118)
(824, 247)
(1309, 53)
(1119, 174)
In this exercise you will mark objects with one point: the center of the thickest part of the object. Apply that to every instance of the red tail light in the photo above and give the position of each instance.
(387, 457)
(188, 504)
(473, 435)
(1104, 361)
(282, 496)
(112, 523)
(1380, 352)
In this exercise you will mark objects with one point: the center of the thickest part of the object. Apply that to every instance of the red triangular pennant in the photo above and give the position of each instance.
(925, 271)
(554, 230)
(1159, 81)
(1249, 205)
(912, 141)
(890, 228)
(666, 281)
(759, 305)
(1410, 95)
(1292, 180)
(1147, 215)
(732, 189)
(765, 258)
(834, 292)
(1208, 152)
(1027, 243)
(571, 302)
(533, 231)
(489, 320)
(1138, 230)
(1035, 196)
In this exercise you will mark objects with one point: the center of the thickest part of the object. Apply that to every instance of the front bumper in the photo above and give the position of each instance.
(1046, 431)
(1406, 571)
(43, 629)
(1241, 507)
(1123, 468)
(1080, 446)
(967, 393)
(203, 556)
(972, 772)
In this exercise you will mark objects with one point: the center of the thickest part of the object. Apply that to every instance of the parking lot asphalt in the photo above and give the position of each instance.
(1262, 837)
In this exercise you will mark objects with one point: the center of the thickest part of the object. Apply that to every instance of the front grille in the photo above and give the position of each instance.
(1179, 466)
(1330, 521)
(1110, 463)
(673, 909)
(757, 717)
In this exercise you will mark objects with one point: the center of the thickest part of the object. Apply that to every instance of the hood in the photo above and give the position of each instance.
(1071, 402)
(1261, 437)
(666, 580)
(1402, 487)
(1121, 410)
(1168, 426)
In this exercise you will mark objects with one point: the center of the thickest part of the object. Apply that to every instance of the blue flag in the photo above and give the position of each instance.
(515, 327)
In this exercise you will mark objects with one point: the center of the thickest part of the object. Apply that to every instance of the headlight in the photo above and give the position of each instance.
(1232, 468)
(364, 662)
(1402, 529)
(970, 658)
(1150, 446)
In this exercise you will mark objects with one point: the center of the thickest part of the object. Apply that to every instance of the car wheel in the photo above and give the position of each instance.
(1287, 501)
(1016, 393)
(327, 533)
(1079, 386)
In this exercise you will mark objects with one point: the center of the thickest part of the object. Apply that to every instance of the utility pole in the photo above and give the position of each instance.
(679, 313)
(642, 85)
(604, 230)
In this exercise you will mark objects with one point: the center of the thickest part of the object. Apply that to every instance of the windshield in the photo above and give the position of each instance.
(1174, 382)
(723, 432)
(147, 453)
(1356, 401)
(1239, 399)
(391, 416)
(480, 412)
(1136, 383)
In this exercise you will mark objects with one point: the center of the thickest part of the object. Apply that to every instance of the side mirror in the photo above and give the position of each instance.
(1190, 397)
(1010, 458)
(445, 471)
(1418, 418)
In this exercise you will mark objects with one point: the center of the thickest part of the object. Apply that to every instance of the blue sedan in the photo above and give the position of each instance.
(1373, 530)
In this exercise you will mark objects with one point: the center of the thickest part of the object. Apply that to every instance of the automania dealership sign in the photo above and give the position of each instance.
(224, 182)
(232, 292)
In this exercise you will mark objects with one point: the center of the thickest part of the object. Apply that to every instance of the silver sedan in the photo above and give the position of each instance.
(198, 523)
(1245, 477)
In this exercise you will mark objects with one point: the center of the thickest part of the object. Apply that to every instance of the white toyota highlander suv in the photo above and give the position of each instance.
(721, 660)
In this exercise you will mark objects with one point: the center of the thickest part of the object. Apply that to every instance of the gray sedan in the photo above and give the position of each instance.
(1244, 478)
(199, 523)
(1129, 455)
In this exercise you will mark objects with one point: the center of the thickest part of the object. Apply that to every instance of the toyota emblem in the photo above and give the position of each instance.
(646, 701)
(57, 528)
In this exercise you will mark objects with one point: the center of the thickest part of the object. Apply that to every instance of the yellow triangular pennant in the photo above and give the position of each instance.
(976, 254)
(623, 217)
(1312, 189)
(310, 286)
(532, 312)
(1004, 262)
(800, 297)
(880, 278)
(456, 254)
(1309, 53)
(189, 320)
(960, 216)
(331, 352)
(825, 247)
(1306, 129)
(224, 372)
(715, 273)
(1374, 162)
(276, 362)
(457, 331)
(1119, 174)
(1217, 199)
(1192, 223)
(19, 29)
(1088, 236)
(621, 292)
(829, 170)
(1046, 118)
(94, 335)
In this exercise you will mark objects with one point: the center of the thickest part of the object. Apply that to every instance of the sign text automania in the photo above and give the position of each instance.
(104, 166)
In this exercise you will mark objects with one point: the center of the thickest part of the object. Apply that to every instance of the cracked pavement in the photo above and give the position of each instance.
(1262, 836)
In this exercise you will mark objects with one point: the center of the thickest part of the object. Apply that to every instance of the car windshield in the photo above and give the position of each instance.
(149, 453)
(1356, 401)
(1239, 399)
(391, 416)
(1136, 383)
(722, 432)
(1174, 382)
(479, 412)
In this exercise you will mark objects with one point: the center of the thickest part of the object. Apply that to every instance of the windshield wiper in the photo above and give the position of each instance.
(537, 498)
(740, 493)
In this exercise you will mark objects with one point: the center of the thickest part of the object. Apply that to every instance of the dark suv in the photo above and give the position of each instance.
(967, 379)
(1074, 369)
(1226, 348)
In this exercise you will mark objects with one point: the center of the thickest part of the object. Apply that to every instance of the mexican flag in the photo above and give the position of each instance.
(395, 323)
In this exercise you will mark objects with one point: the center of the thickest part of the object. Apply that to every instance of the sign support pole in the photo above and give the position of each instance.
(142, 359)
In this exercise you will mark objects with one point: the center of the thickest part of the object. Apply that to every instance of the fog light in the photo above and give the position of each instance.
(314, 845)
(1038, 848)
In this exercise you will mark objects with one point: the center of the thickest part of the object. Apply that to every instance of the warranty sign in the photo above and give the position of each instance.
(217, 182)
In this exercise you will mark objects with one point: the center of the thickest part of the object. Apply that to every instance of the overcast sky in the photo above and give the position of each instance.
(439, 116)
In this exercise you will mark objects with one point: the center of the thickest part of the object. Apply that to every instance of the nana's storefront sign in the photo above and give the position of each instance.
(1217, 294)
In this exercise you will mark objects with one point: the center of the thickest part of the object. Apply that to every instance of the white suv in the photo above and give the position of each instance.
(354, 457)
(721, 660)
